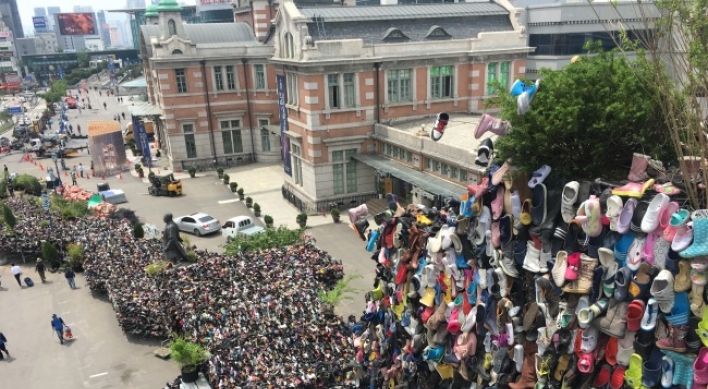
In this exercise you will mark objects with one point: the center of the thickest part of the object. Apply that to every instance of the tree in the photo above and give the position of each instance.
(674, 60)
(50, 254)
(83, 59)
(8, 217)
(585, 120)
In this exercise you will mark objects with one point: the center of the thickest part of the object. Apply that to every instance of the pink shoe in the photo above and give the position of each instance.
(498, 204)
(480, 189)
(485, 122)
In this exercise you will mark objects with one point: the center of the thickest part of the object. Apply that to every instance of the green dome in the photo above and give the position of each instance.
(151, 11)
(168, 6)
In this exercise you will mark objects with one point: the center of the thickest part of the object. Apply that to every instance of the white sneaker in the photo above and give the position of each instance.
(519, 357)
(570, 195)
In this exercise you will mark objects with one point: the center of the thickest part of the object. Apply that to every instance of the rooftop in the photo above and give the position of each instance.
(223, 34)
(459, 132)
(96, 128)
(408, 22)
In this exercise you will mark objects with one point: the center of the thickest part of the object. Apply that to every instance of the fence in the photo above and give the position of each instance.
(204, 164)
(315, 208)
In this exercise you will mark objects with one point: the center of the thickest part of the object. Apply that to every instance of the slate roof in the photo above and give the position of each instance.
(371, 23)
(231, 34)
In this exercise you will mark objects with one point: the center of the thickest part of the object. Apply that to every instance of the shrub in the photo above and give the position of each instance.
(334, 212)
(240, 191)
(44, 223)
(256, 207)
(192, 171)
(76, 254)
(50, 254)
(30, 184)
(301, 218)
(220, 171)
(271, 237)
(138, 166)
(186, 242)
(9, 217)
(226, 178)
(249, 200)
(268, 220)
(151, 175)
(155, 268)
(233, 186)
(138, 231)
(341, 291)
(188, 355)
(191, 256)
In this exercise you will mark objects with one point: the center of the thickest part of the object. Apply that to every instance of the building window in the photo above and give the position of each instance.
(218, 78)
(427, 164)
(444, 169)
(409, 156)
(292, 91)
(265, 134)
(181, 81)
(454, 173)
(497, 71)
(441, 81)
(340, 88)
(172, 27)
(296, 154)
(231, 136)
(436, 166)
(344, 171)
(230, 78)
(289, 46)
(389, 150)
(463, 176)
(189, 142)
(399, 85)
(259, 72)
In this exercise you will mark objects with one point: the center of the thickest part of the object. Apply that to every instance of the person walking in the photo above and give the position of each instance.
(58, 326)
(81, 170)
(10, 188)
(17, 272)
(105, 106)
(73, 178)
(3, 341)
(123, 114)
(93, 171)
(39, 268)
(70, 275)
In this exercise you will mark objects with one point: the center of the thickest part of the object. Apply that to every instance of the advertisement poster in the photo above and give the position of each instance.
(77, 24)
(141, 139)
(283, 115)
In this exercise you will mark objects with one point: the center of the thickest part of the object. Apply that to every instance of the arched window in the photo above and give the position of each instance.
(289, 45)
(177, 52)
(171, 27)
(437, 32)
(394, 35)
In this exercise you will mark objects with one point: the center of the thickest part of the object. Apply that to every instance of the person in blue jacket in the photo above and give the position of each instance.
(58, 326)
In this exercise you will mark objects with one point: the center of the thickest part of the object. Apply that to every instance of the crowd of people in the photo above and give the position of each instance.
(257, 313)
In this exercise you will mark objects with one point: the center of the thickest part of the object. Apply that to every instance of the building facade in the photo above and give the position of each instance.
(103, 28)
(11, 17)
(347, 69)
(213, 86)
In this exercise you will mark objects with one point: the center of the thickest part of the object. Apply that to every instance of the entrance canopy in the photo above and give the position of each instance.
(420, 179)
(137, 83)
(145, 109)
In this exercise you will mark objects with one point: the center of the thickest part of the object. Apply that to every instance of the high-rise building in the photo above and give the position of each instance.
(51, 11)
(83, 8)
(11, 17)
(134, 4)
(104, 28)
(116, 39)
(40, 11)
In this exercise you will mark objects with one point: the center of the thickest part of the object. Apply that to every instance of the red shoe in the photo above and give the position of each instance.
(617, 379)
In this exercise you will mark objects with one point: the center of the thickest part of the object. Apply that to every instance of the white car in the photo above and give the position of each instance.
(198, 224)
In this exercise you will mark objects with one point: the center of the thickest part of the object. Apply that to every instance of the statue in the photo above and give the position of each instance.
(171, 242)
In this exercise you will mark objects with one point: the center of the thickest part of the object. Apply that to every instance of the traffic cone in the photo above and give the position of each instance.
(41, 167)
(120, 177)
(88, 176)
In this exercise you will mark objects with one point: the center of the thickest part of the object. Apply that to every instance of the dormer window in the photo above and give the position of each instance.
(172, 27)
(177, 52)
(437, 32)
(393, 34)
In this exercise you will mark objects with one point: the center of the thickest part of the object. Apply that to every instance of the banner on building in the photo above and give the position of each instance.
(141, 140)
(283, 116)
(5, 34)
(39, 22)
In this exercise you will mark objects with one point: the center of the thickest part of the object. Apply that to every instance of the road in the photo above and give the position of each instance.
(102, 357)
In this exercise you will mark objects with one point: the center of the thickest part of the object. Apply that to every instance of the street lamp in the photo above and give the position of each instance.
(54, 158)
(45, 205)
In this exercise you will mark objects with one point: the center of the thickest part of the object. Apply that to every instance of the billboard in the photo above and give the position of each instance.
(141, 139)
(5, 34)
(39, 22)
(283, 116)
(83, 23)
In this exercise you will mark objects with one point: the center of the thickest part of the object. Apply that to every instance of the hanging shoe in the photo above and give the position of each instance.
(484, 153)
(440, 124)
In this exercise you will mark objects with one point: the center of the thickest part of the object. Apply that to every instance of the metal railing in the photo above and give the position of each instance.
(204, 164)
(315, 208)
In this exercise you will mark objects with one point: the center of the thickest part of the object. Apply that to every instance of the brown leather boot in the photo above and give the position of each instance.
(527, 380)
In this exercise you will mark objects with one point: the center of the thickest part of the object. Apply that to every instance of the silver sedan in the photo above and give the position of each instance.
(198, 224)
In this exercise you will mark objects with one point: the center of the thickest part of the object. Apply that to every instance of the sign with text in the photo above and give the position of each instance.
(77, 23)
(16, 110)
(283, 116)
(5, 34)
(39, 22)
(141, 139)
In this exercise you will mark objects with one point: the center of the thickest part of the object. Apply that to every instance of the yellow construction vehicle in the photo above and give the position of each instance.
(165, 186)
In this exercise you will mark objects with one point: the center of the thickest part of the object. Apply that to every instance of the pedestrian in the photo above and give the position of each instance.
(39, 268)
(3, 340)
(78, 128)
(70, 275)
(81, 170)
(92, 169)
(17, 272)
(58, 326)
(10, 188)
(6, 172)
(71, 128)
(105, 106)
(123, 114)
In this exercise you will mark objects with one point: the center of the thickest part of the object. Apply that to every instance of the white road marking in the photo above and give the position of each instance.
(64, 302)
(99, 375)
(228, 201)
